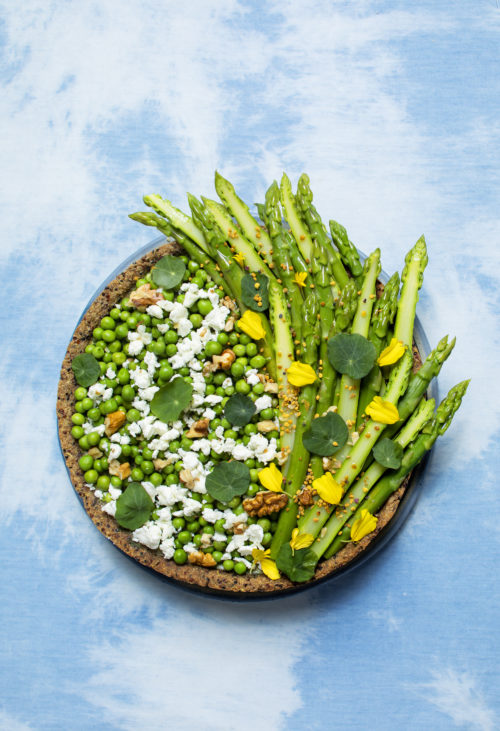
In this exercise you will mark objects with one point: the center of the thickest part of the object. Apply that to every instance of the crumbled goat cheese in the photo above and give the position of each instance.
(252, 378)
(151, 361)
(149, 535)
(155, 311)
(170, 494)
(211, 515)
(167, 547)
(162, 327)
(141, 378)
(231, 519)
(148, 393)
(114, 451)
(110, 508)
(216, 318)
(241, 453)
(263, 402)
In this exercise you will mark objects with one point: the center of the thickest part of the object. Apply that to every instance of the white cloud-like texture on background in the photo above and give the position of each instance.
(106, 101)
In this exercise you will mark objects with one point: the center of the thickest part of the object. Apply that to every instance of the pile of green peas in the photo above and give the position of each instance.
(110, 346)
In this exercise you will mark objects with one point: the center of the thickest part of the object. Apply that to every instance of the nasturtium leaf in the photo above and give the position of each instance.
(388, 453)
(86, 369)
(170, 401)
(239, 409)
(168, 271)
(326, 435)
(298, 565)
(351, 354)
(254, 292)
(133, 507)
(228, 480)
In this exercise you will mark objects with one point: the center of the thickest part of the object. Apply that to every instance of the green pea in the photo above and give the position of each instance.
(265, 524)
(239, 350)
(108, 336)
(91, 476)
(137, 474)
(197, 540)
(251, 349)
(184, 537)
(121, 331)
(193, 526)
(171, 337)
(228, 565)
(80, 393)
(171, 349)
(174, 446)
(219, 525)
(267, 538)
(78, 419)
(193, 266)
(156, 479)
(245, 339)
(178, 523)
(109, 406)
(115, 481)
(219, 545)
(107, 323)
(102, 482)
(253, 489)
(217, 555)
(233, 338)
(237, 369)
(133, 415)
(223, 338)
(171, 479)
(196, 319)
(180, 556)
(86, 462)
(128, 394)
(213, 348)
(234, 503)
(254, 475)
(86, 403)
(266, 414)
(240, 568)
(258, 389)
(132, 321)
(210, 389)
(119, 358)
(84, 442)
(144, 319)
(115, 313)
(242, 386)
(126, 450)
(258, 361)
(204, 307)
(123, 376)
(93, 438)
(209, 529)
(158, 347)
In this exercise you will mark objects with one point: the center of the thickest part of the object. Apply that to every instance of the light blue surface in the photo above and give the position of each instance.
(392, 108)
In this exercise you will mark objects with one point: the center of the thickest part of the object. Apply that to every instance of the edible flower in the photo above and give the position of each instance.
(300, 278)
(363, 525)
(392, 353)
(382, 411)
(300, 374)
(267, 565)
(239, 258)
(271, 478)
(300, 540)
(251, 324)
(328, 489)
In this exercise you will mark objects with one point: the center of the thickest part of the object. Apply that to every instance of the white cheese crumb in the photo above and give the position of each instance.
(149, 535)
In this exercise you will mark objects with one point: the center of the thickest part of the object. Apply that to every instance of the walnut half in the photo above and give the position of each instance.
(144, 296)
(265, 503)
(113, 422)
(120, 470)
(202, 559)
(198, 429)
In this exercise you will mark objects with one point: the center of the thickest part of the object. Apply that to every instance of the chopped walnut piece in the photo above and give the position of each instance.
(95, 452)
(120, 470)
(198, 429)
(270, 387)
(229, 303)
(239, 528)
(229, 324)
(265, 503)
(265, 426)
(144, 296)
(113, 422)
(186, 477)
(160, 464)
(202, 559)
(305, 497)
(225, 360)
(208, 368)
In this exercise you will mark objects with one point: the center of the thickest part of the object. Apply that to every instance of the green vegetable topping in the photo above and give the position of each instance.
(228, 480)
(326, 435)
(168, 272)
(239, 409)
(388, 453)
(351, 354)
(299, 564)
(170, 401)
(133, 507)
(86, 369)
(254, 292)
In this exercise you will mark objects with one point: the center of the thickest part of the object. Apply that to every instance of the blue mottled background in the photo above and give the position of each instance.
(392, 108)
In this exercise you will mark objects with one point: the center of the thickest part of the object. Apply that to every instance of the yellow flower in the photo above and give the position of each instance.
(382, 411)
(239, 258)
(364, 525)
(271, 478)
(267, 565)
(300, 278)
(392, 353)
(300, 374)
(251, 324)
(328, 489)
(300, 540)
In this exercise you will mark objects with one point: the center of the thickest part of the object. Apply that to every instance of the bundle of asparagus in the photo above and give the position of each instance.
(353, 415)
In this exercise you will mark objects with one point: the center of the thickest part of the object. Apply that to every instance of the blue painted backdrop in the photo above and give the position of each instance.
(392, 108)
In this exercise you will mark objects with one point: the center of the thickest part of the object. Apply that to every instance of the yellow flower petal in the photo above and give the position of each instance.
(382, 411)
(258, 554)
(328, 489)
(271, 478)
(269, 568)
(392, 353)
(300, 278)
(363, 525)
(239, 258)
(300, 374)
(251, 324)
(300, 540)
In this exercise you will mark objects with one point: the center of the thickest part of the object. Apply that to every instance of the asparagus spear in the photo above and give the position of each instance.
(420, 380)
(299, 231)
(379, 495)
(239, 209)
(362, 486)
(177, 219)
(348, 251)
(151, 219)
(382, 317)
(412, 278)
(313, 520)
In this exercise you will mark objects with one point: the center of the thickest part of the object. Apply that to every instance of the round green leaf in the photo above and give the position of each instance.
(252, 286)
(168, 271)
(326, 435)
(86, 369)
(351, 354)
(298, 565)
(133, 507)
(388, 453)
(171, 400)
(239, 409)
(228, 480)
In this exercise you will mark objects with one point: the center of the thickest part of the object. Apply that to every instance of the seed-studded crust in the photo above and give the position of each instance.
(190, 576)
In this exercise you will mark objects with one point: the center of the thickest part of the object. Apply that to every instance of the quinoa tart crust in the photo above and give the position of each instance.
(190, 576)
